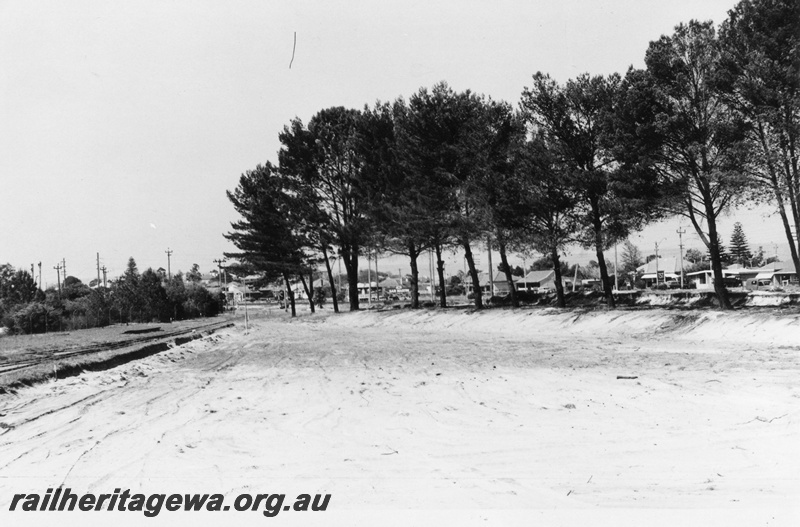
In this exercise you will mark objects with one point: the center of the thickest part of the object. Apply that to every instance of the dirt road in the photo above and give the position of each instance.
(416, 412)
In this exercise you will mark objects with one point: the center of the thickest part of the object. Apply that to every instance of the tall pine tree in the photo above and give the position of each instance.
(740, 251)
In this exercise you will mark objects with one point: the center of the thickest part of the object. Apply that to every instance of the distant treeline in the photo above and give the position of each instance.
(135, 297)
(712, 120)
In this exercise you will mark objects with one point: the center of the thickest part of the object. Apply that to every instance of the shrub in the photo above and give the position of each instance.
(34, 317)
(320, 296)
(200, 302)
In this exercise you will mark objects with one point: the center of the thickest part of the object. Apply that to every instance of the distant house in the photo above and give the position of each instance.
(776, 274)
(537, 281)
(498, 281)
(704, 280)
(237, 292)
(543, 282)
(300, 291)
(393, 286)
(501, 283)
(592, 283)
(367, 291)
(658, 270)
(745, 275)
(208, 278)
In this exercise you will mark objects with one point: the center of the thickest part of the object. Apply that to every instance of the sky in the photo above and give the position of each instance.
(123, 124)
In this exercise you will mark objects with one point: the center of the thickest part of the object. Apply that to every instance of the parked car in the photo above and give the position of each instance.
(673, 284)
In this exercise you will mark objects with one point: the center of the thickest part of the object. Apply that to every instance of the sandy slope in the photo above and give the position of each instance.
(499, 414)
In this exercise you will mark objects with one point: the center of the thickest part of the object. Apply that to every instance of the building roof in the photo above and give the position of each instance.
(669, 265)
(240, 288)
(498, 278)
(537, 276)
(390, 283)
(780, 267)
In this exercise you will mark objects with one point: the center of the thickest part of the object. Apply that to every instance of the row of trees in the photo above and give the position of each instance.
(711, 121)
(135, 297)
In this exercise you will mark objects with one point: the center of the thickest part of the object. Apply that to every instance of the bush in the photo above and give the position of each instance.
(320, 296)
(528, 297)
(455, 290)
(200, 302)
(34, 317)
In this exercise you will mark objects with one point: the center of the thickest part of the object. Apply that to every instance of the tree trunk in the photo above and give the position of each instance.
(308, 293)
(413, 254)
(330, 279)
(560, 301)
(350, 257)
(601, 260)
(290, 294)
(507, 269)
(311, 289)
(716, 265)
(473, 273)
(440, 270)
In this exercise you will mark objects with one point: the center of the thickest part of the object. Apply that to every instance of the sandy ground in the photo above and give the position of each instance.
(498, 418)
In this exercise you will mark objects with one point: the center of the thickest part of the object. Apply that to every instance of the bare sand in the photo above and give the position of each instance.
(527, 417)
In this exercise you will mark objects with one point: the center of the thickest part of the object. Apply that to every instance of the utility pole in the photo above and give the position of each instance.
(58, 276)
(104, 275)
(169, 270)
(64, 268)
(40, 277)
(656, 265)
(575, 280)
(219, 268)
(681, 232)
(616, 274)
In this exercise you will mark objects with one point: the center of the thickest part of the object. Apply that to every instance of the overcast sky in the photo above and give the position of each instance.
(122, 124)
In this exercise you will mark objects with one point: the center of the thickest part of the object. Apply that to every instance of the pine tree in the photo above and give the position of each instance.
(725, 257)
(631, 258)
(740, 251)
(267, 234)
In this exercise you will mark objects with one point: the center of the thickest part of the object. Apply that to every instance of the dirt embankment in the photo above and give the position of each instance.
(32, 365)
(683, 299)
(765, 327)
